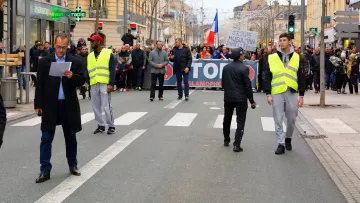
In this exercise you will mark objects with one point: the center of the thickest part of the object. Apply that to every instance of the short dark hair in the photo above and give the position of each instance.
(178, 39)
(285, 34)
(61, 36)
(158, 41)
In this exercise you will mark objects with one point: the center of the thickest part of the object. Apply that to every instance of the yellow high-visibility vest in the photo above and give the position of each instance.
(283, 77)
(99, 68)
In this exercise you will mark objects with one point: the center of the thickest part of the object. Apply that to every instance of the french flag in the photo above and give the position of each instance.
(214, 29)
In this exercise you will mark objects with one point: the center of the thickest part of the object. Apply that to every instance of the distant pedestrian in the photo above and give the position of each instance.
(138, 63)
(237, 91)
(101, 65)
(285, 84)
(158, 60)
(128, 38)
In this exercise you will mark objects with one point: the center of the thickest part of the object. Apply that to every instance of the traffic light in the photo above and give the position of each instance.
(291, 26)
(100, 26)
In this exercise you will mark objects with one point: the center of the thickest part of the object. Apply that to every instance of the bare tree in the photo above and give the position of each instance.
(147, 9)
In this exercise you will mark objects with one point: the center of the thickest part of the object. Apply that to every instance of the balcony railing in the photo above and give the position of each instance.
(103, 12)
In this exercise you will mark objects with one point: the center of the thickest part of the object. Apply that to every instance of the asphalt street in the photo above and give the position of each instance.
(165, 152)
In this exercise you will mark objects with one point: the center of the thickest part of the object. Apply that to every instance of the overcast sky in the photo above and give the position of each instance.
(225, 7)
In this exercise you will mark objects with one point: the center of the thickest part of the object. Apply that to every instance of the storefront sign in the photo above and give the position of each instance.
(208, 73)
(78, 14)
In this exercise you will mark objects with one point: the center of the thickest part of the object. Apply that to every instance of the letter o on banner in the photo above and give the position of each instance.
(206, 70)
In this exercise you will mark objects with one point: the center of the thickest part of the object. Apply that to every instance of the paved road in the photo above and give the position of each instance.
(151, 160)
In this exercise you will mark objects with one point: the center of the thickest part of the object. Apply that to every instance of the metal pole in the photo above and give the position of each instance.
(117, 8)
(302, 25)
(156, 24)
(97, 17)
(322, 57)
(125, 16)
(8, 49)
(27, 45)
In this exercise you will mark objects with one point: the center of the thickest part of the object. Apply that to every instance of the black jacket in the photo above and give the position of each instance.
(267, 77)
(236, 83)
(185, 59)
(315, 62)
(128, 39)
(138, 58)
(47, 90)
(329, 67)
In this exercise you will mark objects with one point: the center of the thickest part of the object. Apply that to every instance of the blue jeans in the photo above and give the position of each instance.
(332, 80)
(179, 78)
(19, 70)
(327, 79)
(47, 138)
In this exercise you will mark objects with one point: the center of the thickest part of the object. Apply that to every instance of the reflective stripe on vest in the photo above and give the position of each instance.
(283, 77)
(99, 68)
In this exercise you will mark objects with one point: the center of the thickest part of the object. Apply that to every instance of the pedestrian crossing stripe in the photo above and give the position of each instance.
(177, 120)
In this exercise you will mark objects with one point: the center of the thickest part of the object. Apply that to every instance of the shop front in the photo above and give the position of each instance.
(46, 21)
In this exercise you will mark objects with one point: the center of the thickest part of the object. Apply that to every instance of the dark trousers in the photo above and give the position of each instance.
(339, 80)
(309, 80)
(121, 80)
(179, 79)
(260, 82)
(241, 109)
(139, 71)
(327, 79)
(317, 80)
(154, 78)
(130, 82)
(48, 136)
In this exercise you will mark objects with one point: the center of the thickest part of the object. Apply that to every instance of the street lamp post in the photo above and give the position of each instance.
(27, 46)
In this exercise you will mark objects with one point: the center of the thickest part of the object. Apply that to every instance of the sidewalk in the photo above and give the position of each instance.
(333, 135)
(22, 110)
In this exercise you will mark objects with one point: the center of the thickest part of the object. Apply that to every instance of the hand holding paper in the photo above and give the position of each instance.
(58, 69)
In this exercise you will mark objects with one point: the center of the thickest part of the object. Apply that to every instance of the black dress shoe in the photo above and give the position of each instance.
(226, 143)
(237, 149)
(288, 145)
(75, 171)
(280, 149)
(42, 178)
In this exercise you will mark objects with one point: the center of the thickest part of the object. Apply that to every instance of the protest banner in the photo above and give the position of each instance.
(244, 39)
(208, 73)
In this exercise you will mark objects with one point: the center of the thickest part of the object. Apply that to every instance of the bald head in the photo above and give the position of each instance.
(317, 50)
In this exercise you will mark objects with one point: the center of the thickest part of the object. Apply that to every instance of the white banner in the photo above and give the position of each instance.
(244, 39)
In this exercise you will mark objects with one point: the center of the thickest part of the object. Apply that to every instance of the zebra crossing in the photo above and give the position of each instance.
(179, 119)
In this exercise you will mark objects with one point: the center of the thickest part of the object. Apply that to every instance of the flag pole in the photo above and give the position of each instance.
(218, 38)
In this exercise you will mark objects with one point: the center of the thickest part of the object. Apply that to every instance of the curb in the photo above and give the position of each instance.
(19, 117)
(306, 129)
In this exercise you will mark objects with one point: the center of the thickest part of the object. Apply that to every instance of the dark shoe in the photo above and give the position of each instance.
(151, 99)
(237, 149)
(161, 98)
(74, 171)
(42, 178)
(226, 143)
(99, 129)
(288, 145)
(186, 98)
(311, 88)
(280, 149)
(179, 98)
(111, 131)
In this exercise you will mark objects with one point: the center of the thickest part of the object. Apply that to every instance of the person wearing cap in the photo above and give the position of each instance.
(237, 90)
(285, 84)
(101, 66)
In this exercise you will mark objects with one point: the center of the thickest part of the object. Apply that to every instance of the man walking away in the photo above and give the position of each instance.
(181, 56)
(138, 62)
(101, 64)
(315, 68)
(237, 90)
(158, 59)
(283, 82)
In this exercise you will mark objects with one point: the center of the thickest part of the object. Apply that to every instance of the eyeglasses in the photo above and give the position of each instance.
(58, 48)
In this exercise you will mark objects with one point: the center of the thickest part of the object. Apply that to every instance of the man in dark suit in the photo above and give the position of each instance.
(56, 100)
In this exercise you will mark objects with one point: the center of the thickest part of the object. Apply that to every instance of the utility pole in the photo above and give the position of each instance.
(125, 13)
(97, 17)
(322, 56)
(156, 23)
(302, 26)
(27, 46)
(202, 21)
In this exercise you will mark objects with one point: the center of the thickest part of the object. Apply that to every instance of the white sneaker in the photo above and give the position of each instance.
(122, 89)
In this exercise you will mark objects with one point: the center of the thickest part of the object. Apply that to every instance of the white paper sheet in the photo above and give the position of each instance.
(58, 69)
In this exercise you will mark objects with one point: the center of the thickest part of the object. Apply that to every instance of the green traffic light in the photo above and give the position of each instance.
(291, 29)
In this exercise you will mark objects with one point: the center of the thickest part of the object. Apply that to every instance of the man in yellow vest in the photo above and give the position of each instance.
(101, 66)
(284, 85)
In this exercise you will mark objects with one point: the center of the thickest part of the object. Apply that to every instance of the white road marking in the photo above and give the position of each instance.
(334, 125)
(181, 119)
(10, 114)
(72, 183)
(129, 118)
(209, 103)
(215, 108)
(219, 122)
(87, 117)
(174, 103)
(268, 124)
(30, 122)
(212, 91)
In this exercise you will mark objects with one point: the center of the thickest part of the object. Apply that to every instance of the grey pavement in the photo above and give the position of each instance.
(166, 163)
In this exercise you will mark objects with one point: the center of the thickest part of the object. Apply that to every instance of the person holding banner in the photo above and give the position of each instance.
(284, 84)
(237, 90)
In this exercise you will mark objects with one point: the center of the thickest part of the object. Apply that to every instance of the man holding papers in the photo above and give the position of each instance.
(57, 102)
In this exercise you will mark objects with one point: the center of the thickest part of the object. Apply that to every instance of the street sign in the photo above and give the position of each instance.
(346, 35)
(346, 13)
(327, 19)
(313, 29)
(346, 20)
(347, 28)
(78, 14)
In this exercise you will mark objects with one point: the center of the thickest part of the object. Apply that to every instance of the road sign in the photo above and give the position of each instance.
(327, 19)
(169, 72)
(347, 28)
(346, 35)
(346, 13)
(346, 20)
(313, 29)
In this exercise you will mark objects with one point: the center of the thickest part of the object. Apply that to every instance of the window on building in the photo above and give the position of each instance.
(102, 3)
(58, 2)
(281, 16)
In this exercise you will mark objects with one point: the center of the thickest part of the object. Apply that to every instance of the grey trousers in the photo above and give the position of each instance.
(101, 100)
(286, 102)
